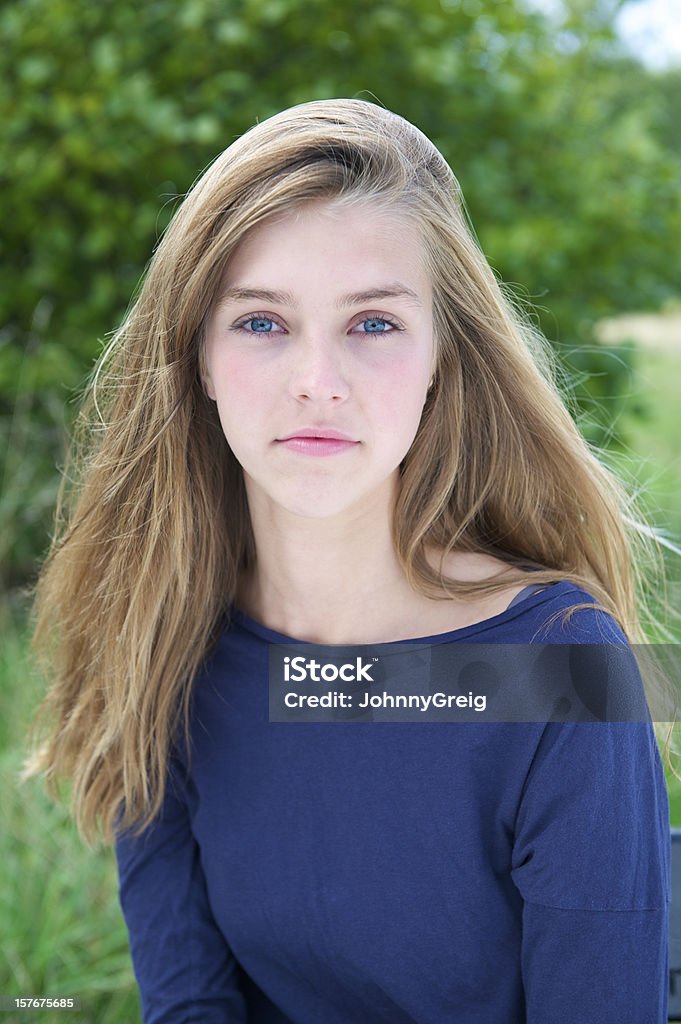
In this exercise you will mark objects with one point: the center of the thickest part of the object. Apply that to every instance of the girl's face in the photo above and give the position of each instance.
(324, 326)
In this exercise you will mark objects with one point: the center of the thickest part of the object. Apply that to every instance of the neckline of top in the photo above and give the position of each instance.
(539, 597)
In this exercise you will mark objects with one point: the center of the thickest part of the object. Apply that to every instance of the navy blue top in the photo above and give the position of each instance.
(401, 872)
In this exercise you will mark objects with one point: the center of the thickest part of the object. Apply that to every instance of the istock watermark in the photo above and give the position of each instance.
(471, 682)
(300, 669)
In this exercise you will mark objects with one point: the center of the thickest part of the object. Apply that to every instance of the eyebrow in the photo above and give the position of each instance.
(392, 291)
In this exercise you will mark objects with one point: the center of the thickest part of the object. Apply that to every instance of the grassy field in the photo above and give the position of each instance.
(655, 436)
(62, 932)
(654, 462)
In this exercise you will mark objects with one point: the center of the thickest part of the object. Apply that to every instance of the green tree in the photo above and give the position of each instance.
(111, 110)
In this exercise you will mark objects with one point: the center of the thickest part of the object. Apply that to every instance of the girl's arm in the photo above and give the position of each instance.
(184, 968)
(591, 860)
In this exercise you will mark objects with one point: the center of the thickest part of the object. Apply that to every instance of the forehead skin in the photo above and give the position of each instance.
(368, 244)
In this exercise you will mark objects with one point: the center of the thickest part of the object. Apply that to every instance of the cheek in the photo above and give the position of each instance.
(239, 397)
(237, 383)
(402, 391)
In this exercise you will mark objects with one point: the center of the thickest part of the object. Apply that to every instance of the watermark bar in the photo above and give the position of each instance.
(474, 682)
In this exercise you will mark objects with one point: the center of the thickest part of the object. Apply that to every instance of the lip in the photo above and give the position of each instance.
(317, 446)
(318, 433)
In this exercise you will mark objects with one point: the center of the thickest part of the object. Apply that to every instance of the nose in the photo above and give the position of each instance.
(317, 372)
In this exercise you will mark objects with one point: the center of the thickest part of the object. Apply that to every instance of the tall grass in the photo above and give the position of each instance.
(654, 461)
(61, 930)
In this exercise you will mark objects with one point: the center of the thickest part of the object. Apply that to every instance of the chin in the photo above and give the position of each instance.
(322, 507)
(319, 498)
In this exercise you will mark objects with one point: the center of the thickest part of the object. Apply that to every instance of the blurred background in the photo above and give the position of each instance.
(562, 122)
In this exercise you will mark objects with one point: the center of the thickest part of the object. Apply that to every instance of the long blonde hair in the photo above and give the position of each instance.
(153, 529)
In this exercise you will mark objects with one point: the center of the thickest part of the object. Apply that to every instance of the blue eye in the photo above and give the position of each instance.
(260, 324)
(375, 325)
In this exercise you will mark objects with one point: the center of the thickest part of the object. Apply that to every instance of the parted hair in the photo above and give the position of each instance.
(153, 529)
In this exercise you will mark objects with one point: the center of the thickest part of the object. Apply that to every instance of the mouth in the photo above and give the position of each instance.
(320, 445)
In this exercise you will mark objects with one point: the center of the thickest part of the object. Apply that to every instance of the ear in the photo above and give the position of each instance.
(434, 362)
(204, 374)
(207, 382)
(433, 374)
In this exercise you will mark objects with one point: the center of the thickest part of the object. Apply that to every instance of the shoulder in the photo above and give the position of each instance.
(568, 614)
(474, 567)
(575, 616)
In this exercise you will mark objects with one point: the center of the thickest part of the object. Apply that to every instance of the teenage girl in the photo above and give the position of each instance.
(324, 422)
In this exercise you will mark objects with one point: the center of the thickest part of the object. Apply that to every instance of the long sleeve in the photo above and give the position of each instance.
(185, 970)
(592, 863)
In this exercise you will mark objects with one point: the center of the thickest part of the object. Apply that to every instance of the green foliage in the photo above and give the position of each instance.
(62, 930)
(111, 110)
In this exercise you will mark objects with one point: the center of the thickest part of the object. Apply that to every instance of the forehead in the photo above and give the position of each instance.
(351, 240)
